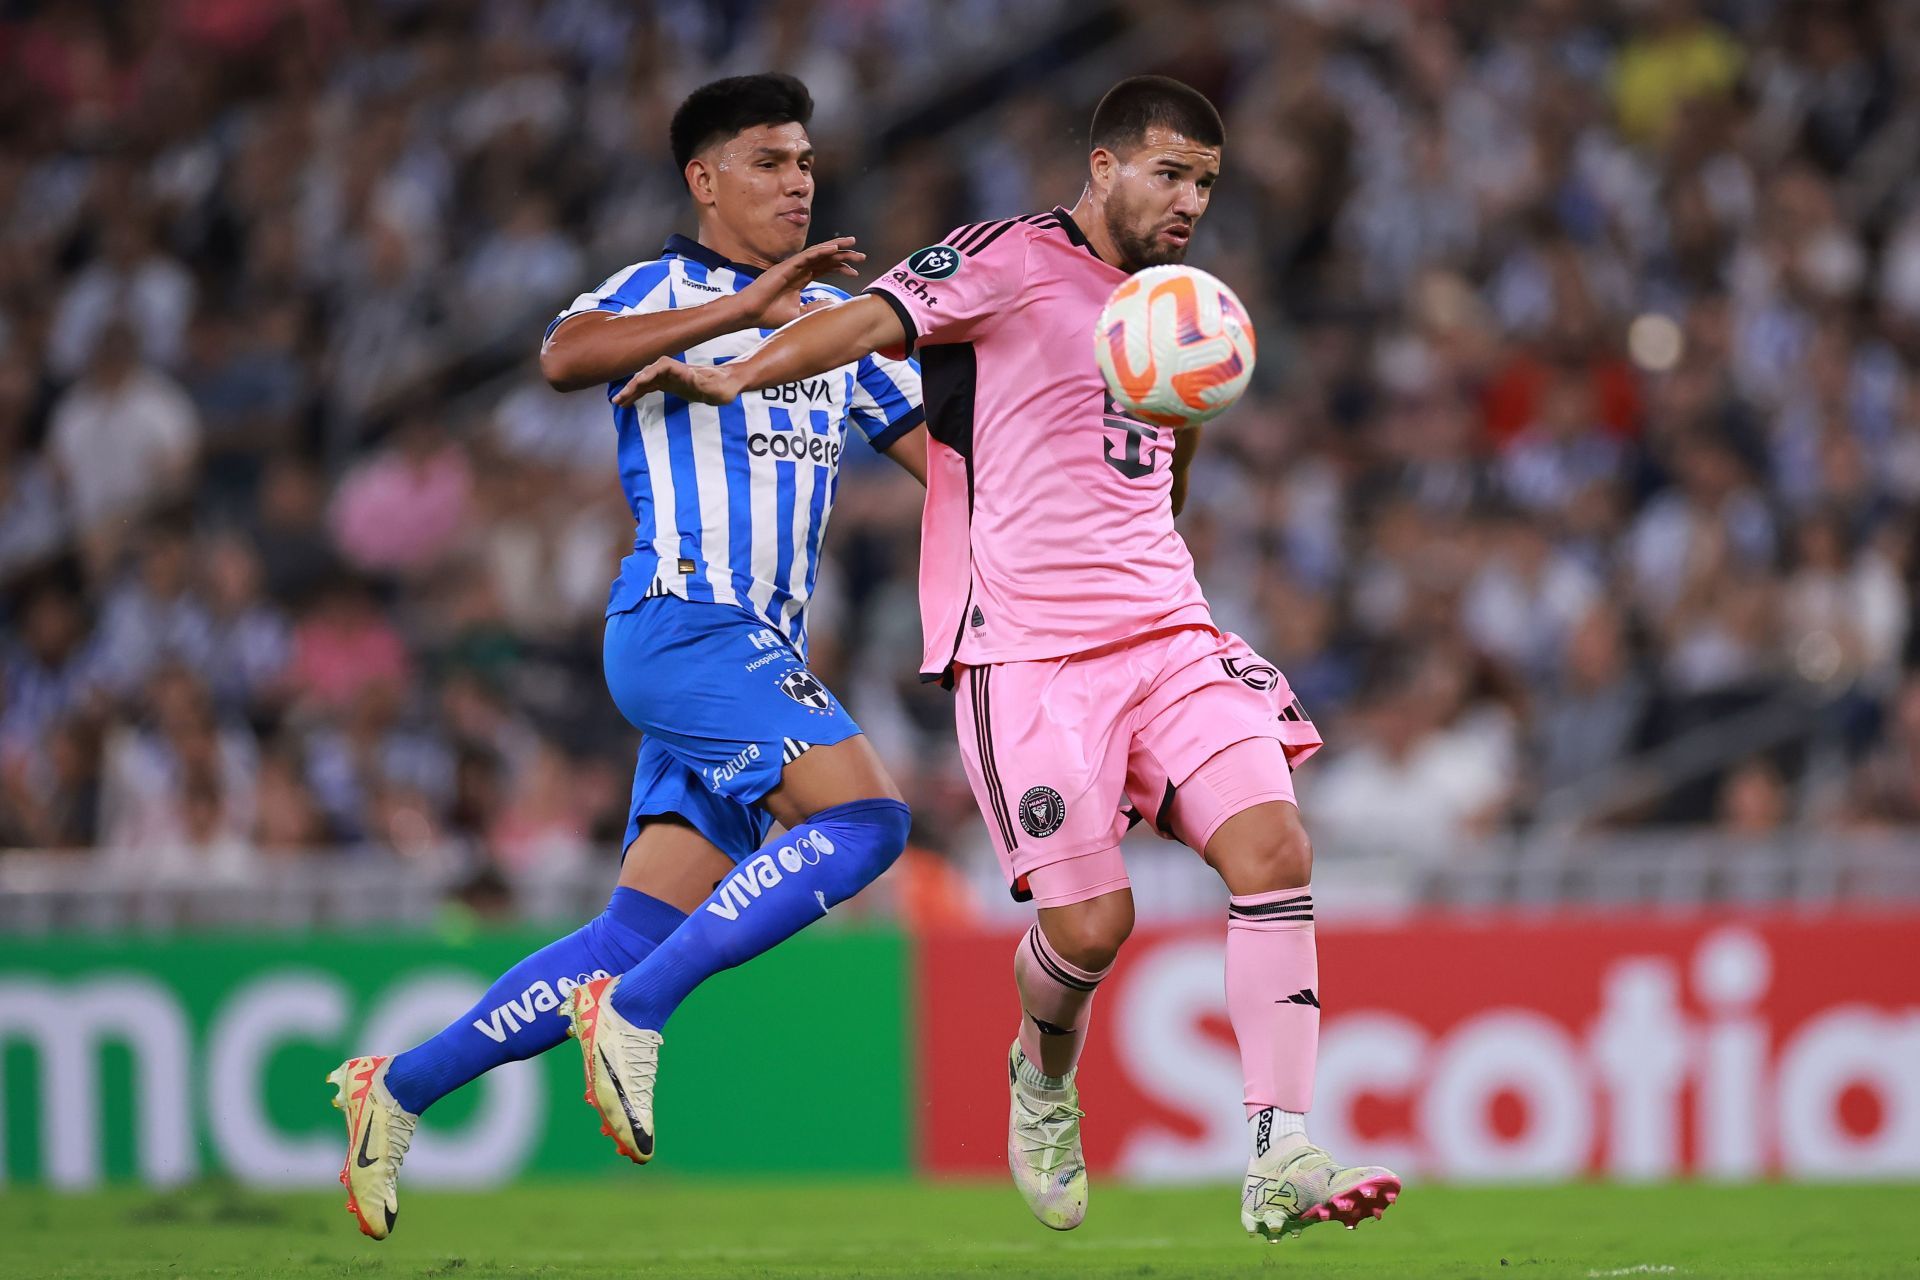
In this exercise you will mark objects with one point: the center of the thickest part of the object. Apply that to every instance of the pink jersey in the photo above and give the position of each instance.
(1048, 527)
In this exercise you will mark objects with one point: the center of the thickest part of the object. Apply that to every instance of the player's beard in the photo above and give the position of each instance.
(1138, 252)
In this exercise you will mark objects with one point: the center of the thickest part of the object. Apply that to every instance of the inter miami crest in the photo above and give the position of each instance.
(935, 262)
(806, 690)
(1041, 812)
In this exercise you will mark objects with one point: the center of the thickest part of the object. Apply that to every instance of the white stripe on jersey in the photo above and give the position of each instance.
(618, 280)
(666, 514)
(710, 472)
(765, 513)
(653, 439)
(796, 583)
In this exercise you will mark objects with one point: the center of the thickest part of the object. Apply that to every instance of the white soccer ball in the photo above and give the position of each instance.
(1175, 346)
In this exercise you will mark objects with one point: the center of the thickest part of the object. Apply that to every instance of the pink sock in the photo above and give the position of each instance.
(1272, 972)
(1055, 997)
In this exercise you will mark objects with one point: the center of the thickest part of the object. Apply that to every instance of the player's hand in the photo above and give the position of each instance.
(697, 384)
(774, 299)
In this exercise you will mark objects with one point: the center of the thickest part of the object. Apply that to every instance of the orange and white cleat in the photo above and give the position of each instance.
(379, 1130)
(621, 1063)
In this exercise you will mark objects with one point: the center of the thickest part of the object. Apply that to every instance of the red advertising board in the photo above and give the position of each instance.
(1515, 1046)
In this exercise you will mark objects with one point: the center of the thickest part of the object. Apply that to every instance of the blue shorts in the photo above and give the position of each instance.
(724, 704)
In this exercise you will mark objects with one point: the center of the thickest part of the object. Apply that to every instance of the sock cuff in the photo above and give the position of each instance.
(644, 914)
(1272, 1126)
(1279, 908)
(1028, 1073)
(862, 810)
(1272, 895)
(1058, 967)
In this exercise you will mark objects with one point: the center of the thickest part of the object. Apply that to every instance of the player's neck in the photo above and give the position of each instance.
(1094, 228)
(729, 246)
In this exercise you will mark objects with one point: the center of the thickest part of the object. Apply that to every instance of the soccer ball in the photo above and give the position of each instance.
(1175, 346)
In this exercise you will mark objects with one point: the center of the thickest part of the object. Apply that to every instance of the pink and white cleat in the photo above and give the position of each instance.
(1288, 1191)
(1043, 1148)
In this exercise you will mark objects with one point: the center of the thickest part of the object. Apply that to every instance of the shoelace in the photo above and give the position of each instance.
(1036, 1127)
(400, 1133)
(1311, 1172)
(1307, 1160)
(399, 1137)
(642, 1053)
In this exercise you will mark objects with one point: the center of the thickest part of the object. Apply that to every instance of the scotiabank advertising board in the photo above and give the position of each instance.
(1632, 1045)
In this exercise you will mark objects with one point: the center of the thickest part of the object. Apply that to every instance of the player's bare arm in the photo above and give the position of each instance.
(595, 347)
(825, 338)
(910, 452)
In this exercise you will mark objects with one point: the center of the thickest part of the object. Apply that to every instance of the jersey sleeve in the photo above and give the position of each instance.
(954, 290)
(886, 399)
(639, 289)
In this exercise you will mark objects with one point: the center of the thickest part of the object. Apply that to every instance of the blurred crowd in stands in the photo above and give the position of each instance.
(1583, 424)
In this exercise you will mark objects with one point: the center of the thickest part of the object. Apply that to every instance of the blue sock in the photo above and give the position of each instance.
(770, 896)
(520, 1015)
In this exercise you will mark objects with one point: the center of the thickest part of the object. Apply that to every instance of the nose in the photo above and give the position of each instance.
(1191, 202)
(799, 181)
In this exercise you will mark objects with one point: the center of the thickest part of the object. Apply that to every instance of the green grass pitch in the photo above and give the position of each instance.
(651, 1226)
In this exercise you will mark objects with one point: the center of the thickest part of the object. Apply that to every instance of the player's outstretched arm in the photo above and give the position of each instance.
(824, 338)
(600, 346)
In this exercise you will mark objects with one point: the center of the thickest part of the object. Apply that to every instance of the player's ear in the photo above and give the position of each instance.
(699, 176)
(1100, 166)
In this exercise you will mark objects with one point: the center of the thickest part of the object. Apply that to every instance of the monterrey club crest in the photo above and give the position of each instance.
(804, 688)
(935, 262)
(1041, 812)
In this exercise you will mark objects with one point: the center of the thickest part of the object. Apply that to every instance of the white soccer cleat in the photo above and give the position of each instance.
(621, 1062)
(379, 1130)
(1288, 1191)
(1043, 1149)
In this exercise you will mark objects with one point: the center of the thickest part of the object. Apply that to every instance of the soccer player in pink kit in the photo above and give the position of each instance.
(1093, 688)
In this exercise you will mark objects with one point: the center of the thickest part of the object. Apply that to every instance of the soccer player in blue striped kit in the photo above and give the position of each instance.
(705, 647)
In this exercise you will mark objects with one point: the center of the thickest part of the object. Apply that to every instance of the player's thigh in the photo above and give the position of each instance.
(1239, 807)
(732, 701)
(1238, 811)
(1260, 847)
(681, 836)
(672, 861)
(1044, 748)
(822, 777)
(1210, 692)
(1211, 762)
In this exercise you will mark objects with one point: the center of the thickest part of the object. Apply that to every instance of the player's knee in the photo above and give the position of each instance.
(1088, 935)
(1276, 856)
(864, 838)
(1284, 859)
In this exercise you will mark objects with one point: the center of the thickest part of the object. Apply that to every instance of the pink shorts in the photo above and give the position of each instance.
(1065, 754)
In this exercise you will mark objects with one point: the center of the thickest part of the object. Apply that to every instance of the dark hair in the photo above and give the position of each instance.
(1140, 102)
(725, 107)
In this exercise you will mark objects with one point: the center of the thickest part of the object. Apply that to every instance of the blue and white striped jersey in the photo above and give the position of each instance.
(730, 502)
